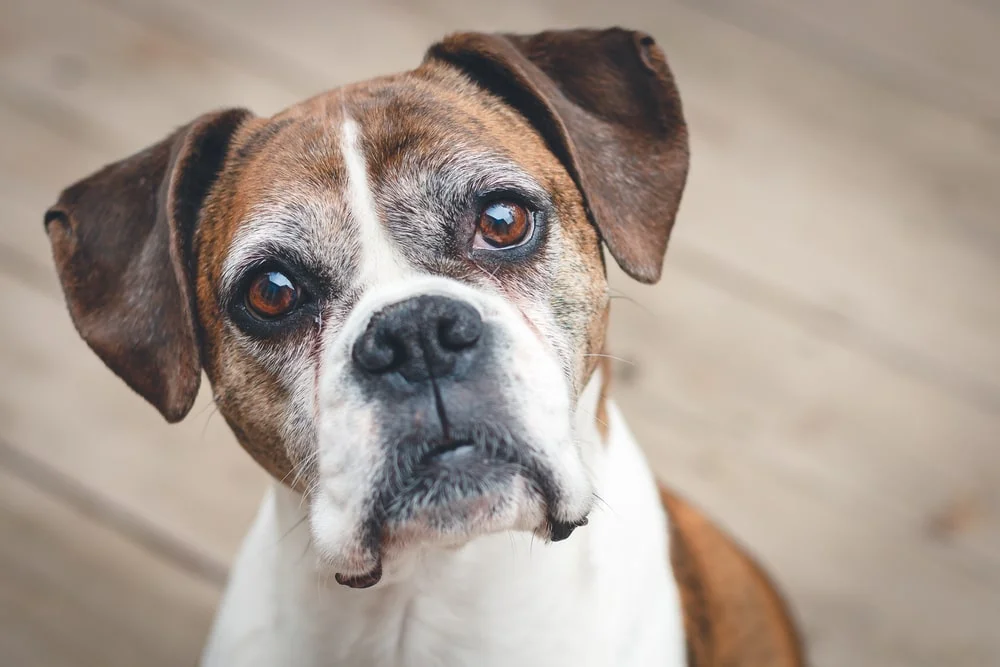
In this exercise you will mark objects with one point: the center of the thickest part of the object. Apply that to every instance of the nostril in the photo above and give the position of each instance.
(460, 329)
(377, 354)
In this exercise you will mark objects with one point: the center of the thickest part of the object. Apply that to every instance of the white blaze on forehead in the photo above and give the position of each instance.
(380, 261)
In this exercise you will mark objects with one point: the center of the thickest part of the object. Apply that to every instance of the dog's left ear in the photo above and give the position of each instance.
(606, 104)
(121, 239)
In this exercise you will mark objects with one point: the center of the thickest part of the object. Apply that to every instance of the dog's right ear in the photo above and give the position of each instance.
(121, 239)
(606, 103)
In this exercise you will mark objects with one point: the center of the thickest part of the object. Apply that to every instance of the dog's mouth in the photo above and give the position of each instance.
(452, 490)
(450, 452)
(436, 482)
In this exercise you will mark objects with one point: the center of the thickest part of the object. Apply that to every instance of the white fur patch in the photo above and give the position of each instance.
(380, 262)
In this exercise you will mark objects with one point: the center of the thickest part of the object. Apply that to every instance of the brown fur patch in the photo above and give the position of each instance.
(733, 614)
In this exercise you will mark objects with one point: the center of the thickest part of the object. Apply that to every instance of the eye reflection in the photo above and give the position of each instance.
(271, 295)
(503, 224)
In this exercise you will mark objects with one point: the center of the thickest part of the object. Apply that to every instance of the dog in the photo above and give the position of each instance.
(398, 292)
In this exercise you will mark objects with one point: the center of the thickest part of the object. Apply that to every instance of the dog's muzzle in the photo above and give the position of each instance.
(428, 359)
(456, 453)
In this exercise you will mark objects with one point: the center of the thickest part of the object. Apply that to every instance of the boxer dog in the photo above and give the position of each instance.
(397, 290)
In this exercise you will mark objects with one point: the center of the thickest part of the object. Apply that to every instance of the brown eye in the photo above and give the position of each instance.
(503, 224)
(271, 295)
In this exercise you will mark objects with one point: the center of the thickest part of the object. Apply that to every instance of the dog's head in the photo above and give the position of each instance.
(396, 288)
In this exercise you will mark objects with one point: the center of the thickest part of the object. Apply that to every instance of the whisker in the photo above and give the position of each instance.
(489, 275)
(605, 504)
(309, 492)
(208, 420)
(611, 356)
(305, 549)
(624, 297)
(593, 415)
(205, 408)
(294, 526)
(299, 468)
(513, 547)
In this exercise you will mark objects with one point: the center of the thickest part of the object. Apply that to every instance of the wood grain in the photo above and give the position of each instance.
(74, 593)
(819, 368)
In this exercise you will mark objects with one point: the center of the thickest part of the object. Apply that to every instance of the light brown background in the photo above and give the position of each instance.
(820, 368)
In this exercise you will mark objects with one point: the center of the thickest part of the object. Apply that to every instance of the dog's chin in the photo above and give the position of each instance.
(456, 492)
(451, 504)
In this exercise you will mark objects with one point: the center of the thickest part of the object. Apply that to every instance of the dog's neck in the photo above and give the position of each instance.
(604, 596)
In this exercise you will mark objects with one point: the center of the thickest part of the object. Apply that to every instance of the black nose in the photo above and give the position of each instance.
(420, 338)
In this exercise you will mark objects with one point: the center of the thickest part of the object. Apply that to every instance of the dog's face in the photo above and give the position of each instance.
(400, 290)
(397, 288)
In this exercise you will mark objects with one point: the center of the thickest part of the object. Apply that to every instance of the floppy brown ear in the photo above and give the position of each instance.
(121, 239)
(606, 103)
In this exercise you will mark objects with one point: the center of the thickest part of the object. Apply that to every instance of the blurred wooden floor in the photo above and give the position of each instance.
(820, 368)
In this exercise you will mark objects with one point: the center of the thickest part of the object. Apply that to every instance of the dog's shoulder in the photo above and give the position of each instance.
(733, 613)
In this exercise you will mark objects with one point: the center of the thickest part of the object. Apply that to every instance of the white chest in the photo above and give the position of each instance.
(604, 597)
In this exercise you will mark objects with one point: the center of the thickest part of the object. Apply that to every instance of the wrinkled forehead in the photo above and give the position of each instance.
(386, 166)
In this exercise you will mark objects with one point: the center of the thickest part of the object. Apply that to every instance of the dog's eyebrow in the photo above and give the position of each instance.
(487, 172)
(264, 238)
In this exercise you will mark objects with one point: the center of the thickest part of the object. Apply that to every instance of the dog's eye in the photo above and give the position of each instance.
(503, 224)
(272, 294)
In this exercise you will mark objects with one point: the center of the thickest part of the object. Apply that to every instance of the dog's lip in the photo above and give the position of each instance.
(458, 454)
(366, 580)
(450, 451)
(561, 530)
(463, 455)
(557, 532)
